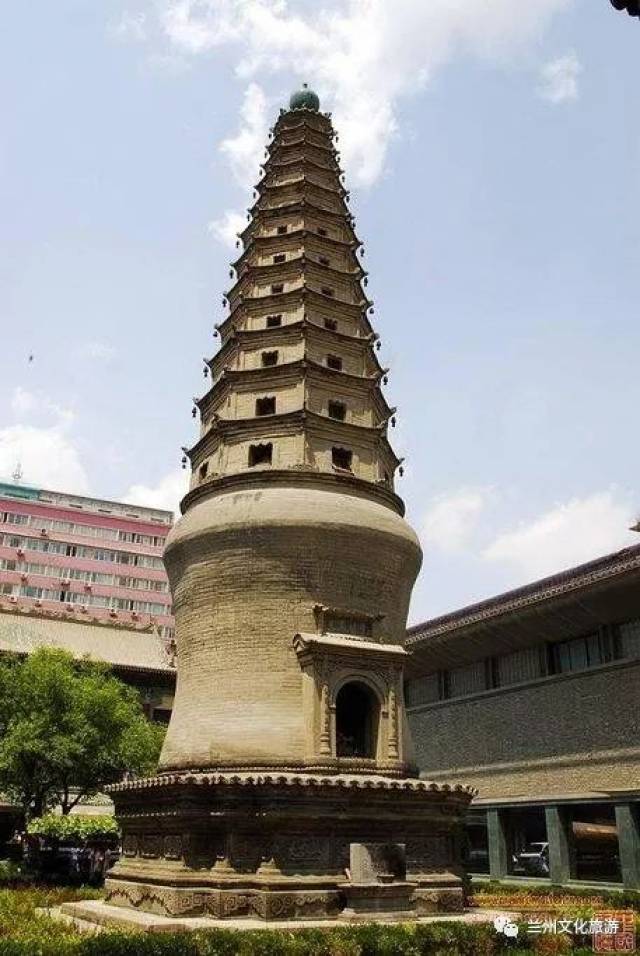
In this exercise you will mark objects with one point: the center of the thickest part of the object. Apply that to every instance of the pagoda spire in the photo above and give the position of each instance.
(295, 386)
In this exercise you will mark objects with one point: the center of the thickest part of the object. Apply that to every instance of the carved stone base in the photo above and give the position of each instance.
(276, 847)
(366, 901)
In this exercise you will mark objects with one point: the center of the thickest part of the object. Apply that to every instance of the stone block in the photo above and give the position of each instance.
(377, 862)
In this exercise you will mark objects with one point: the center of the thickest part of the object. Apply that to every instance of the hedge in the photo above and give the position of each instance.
(75, 827)
(500, 892)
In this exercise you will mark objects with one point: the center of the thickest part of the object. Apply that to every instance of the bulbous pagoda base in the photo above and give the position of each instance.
(277, 846)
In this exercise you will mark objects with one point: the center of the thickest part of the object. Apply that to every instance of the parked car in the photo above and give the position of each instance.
(534, 861)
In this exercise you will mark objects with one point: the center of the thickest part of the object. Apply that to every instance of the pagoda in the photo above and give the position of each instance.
(288, 757)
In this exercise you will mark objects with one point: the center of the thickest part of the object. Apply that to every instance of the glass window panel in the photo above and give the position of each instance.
(630, 639)
(519, 666)
(468, 679)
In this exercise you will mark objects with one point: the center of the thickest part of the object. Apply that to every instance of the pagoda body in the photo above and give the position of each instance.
(291, 571)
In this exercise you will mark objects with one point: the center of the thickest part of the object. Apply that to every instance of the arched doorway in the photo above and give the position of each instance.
(357, 714)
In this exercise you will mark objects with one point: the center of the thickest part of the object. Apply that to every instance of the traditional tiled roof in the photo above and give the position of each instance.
(583, 576)
(342, 781)
(124, 649)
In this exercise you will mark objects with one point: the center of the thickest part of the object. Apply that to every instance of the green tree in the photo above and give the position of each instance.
(67, 728)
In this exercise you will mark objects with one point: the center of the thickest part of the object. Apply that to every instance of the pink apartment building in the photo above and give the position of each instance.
(94, 559)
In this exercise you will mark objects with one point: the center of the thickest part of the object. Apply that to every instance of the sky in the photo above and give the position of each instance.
(493, 152)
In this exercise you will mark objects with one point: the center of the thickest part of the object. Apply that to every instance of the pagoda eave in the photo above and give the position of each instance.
(301, 477)
(293, 267)
(275, 241)
(299, 295)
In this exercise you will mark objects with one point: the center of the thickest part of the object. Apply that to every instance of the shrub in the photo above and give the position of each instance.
(76, 828)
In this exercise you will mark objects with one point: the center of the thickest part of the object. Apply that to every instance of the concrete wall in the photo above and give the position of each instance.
(567, 733)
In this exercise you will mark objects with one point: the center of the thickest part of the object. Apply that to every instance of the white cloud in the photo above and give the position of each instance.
(363, 56)
(23, 402)
(452, 518)
(166, 494)
(47, 457)
(245, 150)
(566, 535)
(559, 79)
(35, 404)
(130, 26)
(227, 228)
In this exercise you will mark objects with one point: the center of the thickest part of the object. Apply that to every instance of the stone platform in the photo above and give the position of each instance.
(96, 916)
(276, 846)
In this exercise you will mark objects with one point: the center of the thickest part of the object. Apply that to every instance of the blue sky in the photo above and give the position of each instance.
(493, 148)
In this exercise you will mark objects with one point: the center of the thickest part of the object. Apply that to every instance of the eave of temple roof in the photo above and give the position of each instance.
(296, 265)
(303, 161)
(275, 240)
(292, 331)
(289, 373)
(265, 187)
(266, 304)
(291, 423)
(564, 605)
(295, 142)
(308, 185)
(301, 205)
(303, 118)
(282, 372)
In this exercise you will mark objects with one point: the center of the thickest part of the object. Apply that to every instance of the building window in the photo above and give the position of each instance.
(327, 291)
(323, 261)
(266, 406)
(341, 458)
(274, 321)
(281, 257)
(334, 362)
(269, 358)
(337, 410)
(347, 624)
(629, 639)
(468, 679)
(519, 666)
(422, 690)
(260, 455)
(331, 324)
(322, 231)
(203, 470)
(577, 654)
(277, 288)
(282, 230)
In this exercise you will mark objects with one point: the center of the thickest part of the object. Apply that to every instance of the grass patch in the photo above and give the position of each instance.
(24, 932)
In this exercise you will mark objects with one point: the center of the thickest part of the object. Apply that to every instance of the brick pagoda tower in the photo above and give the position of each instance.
(291, 572)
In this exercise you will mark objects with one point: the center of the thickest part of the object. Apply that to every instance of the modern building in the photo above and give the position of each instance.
(138, 655)
(533, 698)
(101, 559)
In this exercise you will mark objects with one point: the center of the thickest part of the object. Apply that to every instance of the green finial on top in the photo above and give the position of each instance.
(304, 99)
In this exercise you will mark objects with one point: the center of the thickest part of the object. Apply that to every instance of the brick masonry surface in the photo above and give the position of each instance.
(575, 733)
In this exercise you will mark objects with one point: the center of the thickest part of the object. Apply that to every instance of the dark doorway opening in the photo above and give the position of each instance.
(356, 721)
